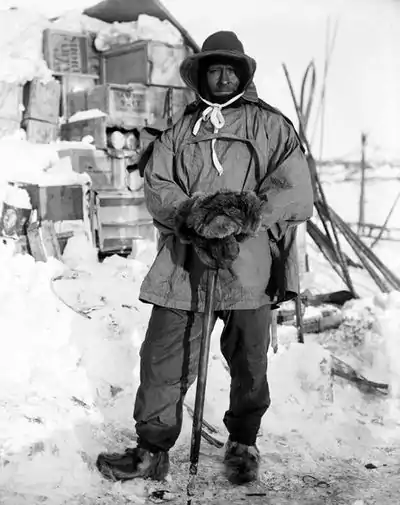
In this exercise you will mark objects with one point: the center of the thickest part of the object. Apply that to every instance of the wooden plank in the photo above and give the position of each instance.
(35, 243)
(50, 240)
(66, 52)
(122, 214)
(115, 245)
(40, 132)
(121, 230)
(43, 243)
(11, 101)
(125, 106)
(42, 100)
(118, 199)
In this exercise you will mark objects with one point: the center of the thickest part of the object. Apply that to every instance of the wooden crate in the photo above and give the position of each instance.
(42, 100)
(97, 164)
(76, 130)
(123, 238)
(120, 207)
(158, 101)
(125, 106)
(56, 203)
(121, 219)
(66, 52)
(40, 132)
(74, 88)
(11, 101)
(146, 62)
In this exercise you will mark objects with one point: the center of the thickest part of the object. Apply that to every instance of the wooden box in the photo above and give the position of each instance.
(42, 100)
(97, 164)
(11, 101)
(121, 219)
(74, 88)
(66, 52)
(40, 132)
(147, 62)
(56, 203)
(158, 101)
(125, 106)
(76, 130)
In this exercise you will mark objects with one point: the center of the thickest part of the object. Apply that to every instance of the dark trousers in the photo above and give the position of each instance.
(169, 365)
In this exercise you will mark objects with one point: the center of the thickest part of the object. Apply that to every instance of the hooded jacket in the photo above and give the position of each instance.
(259, 150)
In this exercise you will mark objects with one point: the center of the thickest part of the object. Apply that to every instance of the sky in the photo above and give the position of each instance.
(363, 82)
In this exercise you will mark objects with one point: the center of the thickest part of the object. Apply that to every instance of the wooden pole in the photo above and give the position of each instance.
(208, 323)
(361, 215)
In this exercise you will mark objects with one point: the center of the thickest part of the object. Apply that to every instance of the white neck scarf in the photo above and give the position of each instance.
(214, 114)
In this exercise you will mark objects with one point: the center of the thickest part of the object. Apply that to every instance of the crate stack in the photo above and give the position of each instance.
(154, 65)
(140, 81)
(74, 64)
(133, 86)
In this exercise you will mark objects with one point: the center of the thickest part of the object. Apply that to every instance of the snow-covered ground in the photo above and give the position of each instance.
(67, 385)
(69, 363)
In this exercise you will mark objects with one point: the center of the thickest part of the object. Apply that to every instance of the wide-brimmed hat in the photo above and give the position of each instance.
(223, 44)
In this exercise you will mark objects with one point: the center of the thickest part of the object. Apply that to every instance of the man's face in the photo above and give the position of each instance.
(223, 80)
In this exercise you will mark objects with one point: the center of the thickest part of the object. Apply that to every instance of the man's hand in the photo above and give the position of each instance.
(220, 215)
(215, 224)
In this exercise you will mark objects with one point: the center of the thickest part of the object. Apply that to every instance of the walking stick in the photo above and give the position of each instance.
(201, 382)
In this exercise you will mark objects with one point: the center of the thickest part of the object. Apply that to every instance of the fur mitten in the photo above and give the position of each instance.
(217, 252)
(220, 215)
(215, 224)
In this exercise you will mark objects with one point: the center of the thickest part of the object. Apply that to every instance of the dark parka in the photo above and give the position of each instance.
(260, 151)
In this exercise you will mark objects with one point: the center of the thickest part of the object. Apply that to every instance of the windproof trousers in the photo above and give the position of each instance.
(169, 365)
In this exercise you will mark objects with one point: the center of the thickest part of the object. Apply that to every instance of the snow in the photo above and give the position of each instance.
(17, 197)
(21, 46)
(72, 332)
(71, 386)
(86, 114)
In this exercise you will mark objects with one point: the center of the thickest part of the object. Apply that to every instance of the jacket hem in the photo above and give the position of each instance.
(184, 305)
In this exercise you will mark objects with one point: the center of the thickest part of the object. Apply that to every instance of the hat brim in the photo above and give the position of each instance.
(190, 65)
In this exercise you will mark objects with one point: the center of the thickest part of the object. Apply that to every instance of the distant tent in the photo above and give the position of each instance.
(125, 11)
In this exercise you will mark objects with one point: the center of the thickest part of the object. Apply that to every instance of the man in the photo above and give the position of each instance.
(226, 186)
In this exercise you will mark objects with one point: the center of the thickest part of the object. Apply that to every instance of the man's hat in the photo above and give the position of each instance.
(224, 45)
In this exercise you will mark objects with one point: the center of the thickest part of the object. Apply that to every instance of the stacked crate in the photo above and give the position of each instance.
(154, 65)
(41, 103)
(139, 84)
(73, 62)
(143, 79)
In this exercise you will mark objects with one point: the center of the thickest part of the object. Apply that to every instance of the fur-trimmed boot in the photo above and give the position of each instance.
(242, 462)
(133, 464)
